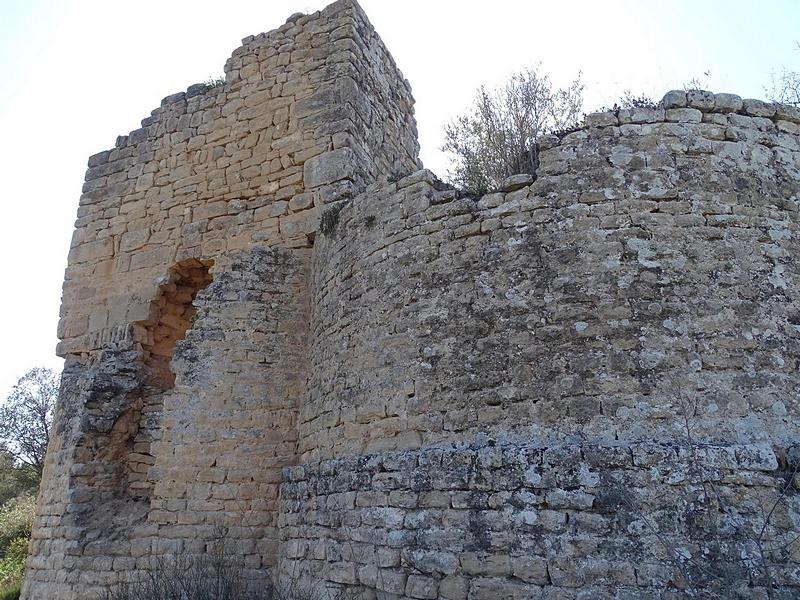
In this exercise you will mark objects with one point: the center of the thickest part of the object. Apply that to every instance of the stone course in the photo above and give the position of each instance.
(583, 385)
(516, 521)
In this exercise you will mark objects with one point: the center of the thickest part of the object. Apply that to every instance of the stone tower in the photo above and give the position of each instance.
(584, 385)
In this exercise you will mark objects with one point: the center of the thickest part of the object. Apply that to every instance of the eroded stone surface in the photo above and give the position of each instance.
(489, 520)
(399, 390)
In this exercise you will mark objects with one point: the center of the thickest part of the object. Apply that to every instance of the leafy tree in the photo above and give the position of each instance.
(26, 416)
(497, 137)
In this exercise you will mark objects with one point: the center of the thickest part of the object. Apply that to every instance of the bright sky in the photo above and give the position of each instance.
(74, 74)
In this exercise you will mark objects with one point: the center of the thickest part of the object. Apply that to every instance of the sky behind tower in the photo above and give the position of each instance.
(74, 74)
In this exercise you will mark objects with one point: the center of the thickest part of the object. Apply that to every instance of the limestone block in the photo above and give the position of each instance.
(684, 115)
(516, 182)
(329, 167)
(453, 588)
(419, 586)
(700, 99)
(601, 119)
(530, 570)
(788, 113)
(301, 202)
(391, 581)
(483, 564)
(727, 103)
(758, 108)
(674, 99)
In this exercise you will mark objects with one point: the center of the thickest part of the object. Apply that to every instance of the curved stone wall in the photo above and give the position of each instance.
(647, 273)
(582, 386)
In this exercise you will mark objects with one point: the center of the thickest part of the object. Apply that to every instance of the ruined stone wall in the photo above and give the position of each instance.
(230, 423)
(526, 394)
(149, 453)
(650, 264)
(214, 170)
(584, 385)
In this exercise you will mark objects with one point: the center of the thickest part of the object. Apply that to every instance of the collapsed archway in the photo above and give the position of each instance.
(171, 315)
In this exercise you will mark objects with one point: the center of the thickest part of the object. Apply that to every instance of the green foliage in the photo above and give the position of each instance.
(12, 566)
(16, 480)
(10, 593)
(497, 137)
(25, 419)
(16, 520)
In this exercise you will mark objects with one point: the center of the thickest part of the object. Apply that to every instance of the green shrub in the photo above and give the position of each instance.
(11, 593)
(12, 566)
(12, 569)
(16, 520)
(16, 480)
(497, 136)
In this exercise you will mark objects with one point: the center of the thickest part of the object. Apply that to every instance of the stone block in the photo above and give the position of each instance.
(391, 581)
(419, 586)
(602, 119)
(530, 569)
(516, 182)
(701, 100)
(674, 99)
(727, 103)
(684, 115)
(329, 167)
(758, 108)
(493, 565)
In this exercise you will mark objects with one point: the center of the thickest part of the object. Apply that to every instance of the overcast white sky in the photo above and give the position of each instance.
(74, 74)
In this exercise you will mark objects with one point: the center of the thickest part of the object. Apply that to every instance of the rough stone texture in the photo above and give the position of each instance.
(150, 454)
(582, 386)
(487, 521)
(649, 266)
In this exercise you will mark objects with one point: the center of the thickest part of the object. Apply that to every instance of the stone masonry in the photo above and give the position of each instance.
(584, 385)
